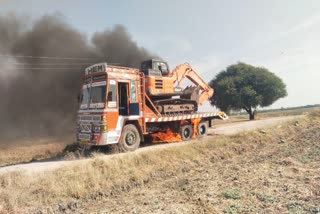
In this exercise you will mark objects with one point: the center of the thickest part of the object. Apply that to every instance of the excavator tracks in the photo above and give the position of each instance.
(174, 106)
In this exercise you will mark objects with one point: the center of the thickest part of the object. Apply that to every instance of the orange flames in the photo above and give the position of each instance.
(195, 122)
(169, 136)
(166, 136)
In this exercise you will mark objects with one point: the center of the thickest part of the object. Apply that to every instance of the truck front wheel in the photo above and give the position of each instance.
(130, 139)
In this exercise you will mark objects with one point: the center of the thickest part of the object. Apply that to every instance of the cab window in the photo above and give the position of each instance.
(112, 96)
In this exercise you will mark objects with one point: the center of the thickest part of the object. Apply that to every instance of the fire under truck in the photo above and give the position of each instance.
(127, 106)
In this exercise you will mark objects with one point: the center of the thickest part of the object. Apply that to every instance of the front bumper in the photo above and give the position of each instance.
(104, 138)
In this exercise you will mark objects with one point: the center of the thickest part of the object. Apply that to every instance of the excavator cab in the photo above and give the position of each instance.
(155, 67)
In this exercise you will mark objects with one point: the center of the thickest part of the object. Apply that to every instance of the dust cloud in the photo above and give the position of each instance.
(41, 62)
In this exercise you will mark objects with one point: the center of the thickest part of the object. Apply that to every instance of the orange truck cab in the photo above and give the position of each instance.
(109, 97)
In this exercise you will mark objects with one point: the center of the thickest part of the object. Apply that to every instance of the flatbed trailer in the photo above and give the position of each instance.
(116, 109)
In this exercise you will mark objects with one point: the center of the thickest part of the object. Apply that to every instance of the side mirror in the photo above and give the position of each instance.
(79, 98)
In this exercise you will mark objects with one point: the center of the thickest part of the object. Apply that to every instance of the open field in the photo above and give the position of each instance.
(278, 113)
(275, 170)
(26, 150)
(71, 158)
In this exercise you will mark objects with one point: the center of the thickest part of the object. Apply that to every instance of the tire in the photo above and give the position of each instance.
(186, 132)
(202, 129)
(130, 139)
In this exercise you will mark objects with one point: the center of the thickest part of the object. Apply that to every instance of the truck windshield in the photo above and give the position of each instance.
(85, 96)
(95, 97)
(98, 94)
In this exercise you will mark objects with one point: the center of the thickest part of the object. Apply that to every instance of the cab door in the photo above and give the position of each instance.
(123, 93)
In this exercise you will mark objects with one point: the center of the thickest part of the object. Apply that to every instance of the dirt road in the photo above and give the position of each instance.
(224, 129)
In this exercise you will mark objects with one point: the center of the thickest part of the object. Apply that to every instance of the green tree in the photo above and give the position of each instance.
(243, 86)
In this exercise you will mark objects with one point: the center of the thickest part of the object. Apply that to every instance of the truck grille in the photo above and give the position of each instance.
(92, 118)
(85, 128)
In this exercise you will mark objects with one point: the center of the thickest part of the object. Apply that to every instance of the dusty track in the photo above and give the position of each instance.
(224, 129)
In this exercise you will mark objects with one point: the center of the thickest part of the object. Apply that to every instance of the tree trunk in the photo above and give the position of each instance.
(252, 114)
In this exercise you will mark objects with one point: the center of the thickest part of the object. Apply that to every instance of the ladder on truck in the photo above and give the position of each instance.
(142, 101)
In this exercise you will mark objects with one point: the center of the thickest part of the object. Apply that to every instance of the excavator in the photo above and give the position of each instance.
(164, 87)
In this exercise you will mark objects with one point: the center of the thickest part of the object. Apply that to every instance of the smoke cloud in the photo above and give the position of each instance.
(39, 93)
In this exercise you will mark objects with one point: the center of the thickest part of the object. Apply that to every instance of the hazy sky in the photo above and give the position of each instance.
(283, 36)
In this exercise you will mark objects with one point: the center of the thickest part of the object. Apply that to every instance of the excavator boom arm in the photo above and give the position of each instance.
(185, 70)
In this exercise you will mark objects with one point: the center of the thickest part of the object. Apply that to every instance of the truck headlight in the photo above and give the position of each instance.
(96, 128)
(104, 128)
(100, 128)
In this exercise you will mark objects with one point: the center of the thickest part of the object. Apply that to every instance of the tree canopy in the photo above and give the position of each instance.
(243, 86)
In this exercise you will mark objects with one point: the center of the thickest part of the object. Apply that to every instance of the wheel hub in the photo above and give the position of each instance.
(130, 138)
(201, 130)
(186, 133)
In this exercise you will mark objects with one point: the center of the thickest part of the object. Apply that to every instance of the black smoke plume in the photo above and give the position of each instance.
(41, 63)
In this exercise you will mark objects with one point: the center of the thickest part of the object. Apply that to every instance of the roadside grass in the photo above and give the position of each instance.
(292, 112)
(264, 115)
(26, 150)
(233, 193)
(31, 149)
(122, 172)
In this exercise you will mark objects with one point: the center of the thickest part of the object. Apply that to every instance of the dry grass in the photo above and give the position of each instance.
(26, 150)
(282, 113)
(263, 115)
(256, 172)
(292, 112)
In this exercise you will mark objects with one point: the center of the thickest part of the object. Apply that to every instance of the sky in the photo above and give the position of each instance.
(282, 36)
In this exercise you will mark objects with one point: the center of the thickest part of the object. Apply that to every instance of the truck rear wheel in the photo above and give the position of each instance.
(202, 129)
(186, 132)
(130, 139)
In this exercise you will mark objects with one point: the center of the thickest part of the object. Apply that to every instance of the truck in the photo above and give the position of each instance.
(126, 106)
